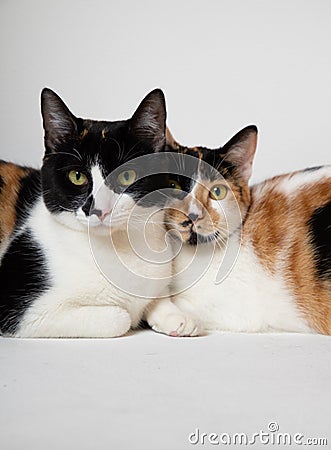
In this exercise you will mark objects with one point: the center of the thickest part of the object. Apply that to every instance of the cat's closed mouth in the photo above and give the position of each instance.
(195, 237)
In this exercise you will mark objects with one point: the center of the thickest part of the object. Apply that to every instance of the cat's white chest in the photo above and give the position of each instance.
(91, 273)
(69, 258)
(248, 298)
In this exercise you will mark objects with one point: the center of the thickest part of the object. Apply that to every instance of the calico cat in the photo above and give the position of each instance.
(51, 283)
(280, 278)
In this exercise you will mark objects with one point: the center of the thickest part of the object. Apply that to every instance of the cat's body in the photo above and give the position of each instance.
(66, 293)
(281, 279)
(69, 267)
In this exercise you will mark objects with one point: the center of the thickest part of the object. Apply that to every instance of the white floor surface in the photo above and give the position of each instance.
(148, 391)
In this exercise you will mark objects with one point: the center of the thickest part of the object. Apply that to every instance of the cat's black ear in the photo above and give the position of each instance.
(149, 120)
(240, 151)
(59, 123)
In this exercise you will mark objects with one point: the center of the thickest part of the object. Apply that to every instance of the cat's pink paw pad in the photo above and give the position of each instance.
(174, 334)
(176, 325)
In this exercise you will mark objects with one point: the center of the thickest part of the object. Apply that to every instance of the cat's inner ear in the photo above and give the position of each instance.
(59, 123)
(149, 120)
(240, 151)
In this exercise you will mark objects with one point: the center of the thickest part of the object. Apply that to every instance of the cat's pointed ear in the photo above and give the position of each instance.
(149, 120)
(240, 151)
(59, 123)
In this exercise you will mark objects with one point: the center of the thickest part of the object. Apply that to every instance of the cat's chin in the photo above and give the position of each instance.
(98, 228)
(69, 220)
(76, 223)
(197, 238)
(190, 237)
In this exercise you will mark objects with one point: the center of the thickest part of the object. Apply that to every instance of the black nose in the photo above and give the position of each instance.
(193, 217)
(89, 208)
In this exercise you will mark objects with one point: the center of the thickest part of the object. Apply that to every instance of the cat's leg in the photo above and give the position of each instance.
(76, 322)
(163, 316)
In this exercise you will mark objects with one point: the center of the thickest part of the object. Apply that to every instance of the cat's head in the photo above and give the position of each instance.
(211, 194)
(90, 166)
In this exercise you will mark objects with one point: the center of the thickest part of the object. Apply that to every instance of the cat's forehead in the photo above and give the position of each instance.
(209, 164)
(200, 162)
(100, 129)
(198, 152)
(108, 144)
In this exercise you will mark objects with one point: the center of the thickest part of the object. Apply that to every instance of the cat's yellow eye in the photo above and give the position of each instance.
(77, 178)
(127, 177)
(175, 185)
(218, 192)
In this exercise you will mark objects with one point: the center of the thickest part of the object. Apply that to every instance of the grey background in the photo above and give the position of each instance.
(222, 64)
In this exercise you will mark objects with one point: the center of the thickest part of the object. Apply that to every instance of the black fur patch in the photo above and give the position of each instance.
(320, 231)
(200, 239)
(1, 184)
(1, 187)
(312, 169)
(23, 277)
(79, 144)
(209, 164)
(30, 191)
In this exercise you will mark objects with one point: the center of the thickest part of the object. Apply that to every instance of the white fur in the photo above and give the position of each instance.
(195, 205)
(249, 299)
(293, 182)
(103, 281)
(81, 301)
(105, 199)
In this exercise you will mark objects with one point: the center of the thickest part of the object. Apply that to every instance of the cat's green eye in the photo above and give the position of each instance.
(218, 192)
(175, 185)
(127, 177)
(77, 178)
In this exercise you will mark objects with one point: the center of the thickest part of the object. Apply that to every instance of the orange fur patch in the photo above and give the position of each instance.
(83, 133)
(277, 226)
(11, 176)
(180, 209)
(211, 218)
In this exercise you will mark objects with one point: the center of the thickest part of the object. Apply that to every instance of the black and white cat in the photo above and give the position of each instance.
(52, 282)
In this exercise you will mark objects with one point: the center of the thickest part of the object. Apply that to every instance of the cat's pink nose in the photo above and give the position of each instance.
(104, 214)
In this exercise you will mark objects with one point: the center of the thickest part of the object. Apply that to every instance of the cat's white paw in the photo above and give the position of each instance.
(79, 322)
(177, 324)
(120, 322)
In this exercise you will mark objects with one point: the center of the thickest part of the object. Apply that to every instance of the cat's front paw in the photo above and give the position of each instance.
(177, 324)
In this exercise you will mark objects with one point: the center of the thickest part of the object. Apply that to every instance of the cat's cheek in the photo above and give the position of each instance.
(234, 214)
(181, 235)
(228, 215)
(70, 220)
(86, 220)
(124, 210)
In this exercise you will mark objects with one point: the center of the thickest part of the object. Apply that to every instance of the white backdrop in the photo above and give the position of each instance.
(223, 64)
